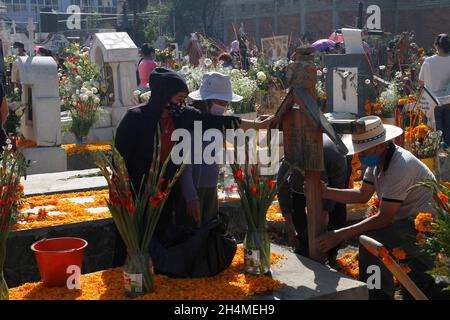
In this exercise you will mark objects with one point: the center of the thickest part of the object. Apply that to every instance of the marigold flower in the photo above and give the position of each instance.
(442, 197)
(423, 222)
(399, 254)
(421, 238)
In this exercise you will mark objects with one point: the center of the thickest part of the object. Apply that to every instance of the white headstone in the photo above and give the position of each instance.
(353, 41)
(119, 51)
(41, 122)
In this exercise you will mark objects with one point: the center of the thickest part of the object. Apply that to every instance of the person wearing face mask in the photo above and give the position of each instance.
(391, 172)
(199, 181)
(134, 140)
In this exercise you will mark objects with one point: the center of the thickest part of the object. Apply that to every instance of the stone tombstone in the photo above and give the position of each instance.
(41, 122)
(117, 54)
(39, 79)
(347, 90)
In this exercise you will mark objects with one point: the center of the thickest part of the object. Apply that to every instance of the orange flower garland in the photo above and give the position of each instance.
(349, 264)
(108, 285)
(274, 214)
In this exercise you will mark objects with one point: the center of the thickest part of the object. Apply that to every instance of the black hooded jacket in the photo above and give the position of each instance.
(136, 132)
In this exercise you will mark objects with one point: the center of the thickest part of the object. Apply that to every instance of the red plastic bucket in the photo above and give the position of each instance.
(54, 256)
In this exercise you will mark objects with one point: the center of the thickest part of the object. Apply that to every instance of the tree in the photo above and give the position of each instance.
(199, 15)
(136, 6)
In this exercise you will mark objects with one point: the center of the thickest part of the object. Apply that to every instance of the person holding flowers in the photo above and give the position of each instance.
(391, 172)
(167, 111)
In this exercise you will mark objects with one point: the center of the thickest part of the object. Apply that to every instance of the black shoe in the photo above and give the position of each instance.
(302, 251)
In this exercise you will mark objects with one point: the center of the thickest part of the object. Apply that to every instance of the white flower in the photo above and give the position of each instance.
(78, 78)
(8, 141)
(111, 95)
(89, 93)
(16, 90)
(368, 81)
(319, 73)
(136, 93)
(96, 100)
(185, 69)
(325, 70)
(10, 147)
(253, 60)
(84, 97)
(261, 76)
(19, 112)
(398, 75)
(59, 75)
(208, 62)
(235, 72)
(382, 68)
(94, 90)
(83, 90)
(406, 79)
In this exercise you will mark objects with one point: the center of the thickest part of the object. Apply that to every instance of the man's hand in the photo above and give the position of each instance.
(193, 210)
(266, 121)
(329, 240)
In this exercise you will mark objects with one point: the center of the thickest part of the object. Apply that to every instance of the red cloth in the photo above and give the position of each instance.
(167, 128)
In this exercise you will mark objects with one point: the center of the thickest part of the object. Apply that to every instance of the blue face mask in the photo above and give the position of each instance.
(370, 161)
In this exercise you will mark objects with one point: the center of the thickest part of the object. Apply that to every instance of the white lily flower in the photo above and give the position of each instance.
(208, 62)
(96, 100)
(261, 76)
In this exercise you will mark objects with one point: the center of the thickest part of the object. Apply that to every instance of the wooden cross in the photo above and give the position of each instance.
(303, 126)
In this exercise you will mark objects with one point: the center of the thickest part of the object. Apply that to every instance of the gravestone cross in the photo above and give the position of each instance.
(31, 28)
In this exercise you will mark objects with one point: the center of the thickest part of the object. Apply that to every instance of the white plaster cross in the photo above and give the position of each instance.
(31, 28)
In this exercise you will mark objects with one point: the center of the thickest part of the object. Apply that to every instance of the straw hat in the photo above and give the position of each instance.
(217, 86)
(375, 134)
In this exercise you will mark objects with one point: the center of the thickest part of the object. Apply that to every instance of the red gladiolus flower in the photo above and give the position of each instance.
(254, 190)
(252, 170)
(156, 201)
(272, 184)
(239, 175)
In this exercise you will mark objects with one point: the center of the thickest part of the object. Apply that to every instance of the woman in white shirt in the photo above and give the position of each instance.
(435, 74)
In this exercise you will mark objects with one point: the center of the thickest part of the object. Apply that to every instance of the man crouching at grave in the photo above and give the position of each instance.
(293, 201)
(391, 172)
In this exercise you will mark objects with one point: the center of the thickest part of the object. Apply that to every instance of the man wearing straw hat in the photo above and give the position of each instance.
(391, 172)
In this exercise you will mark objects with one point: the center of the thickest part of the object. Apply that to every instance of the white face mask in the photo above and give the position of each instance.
(217, 110)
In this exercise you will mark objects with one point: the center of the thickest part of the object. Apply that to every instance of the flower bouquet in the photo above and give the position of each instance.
(256, 193)
(434, 230)
(423, 142)
(136, 214)
(12, 167)
(85, 111)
